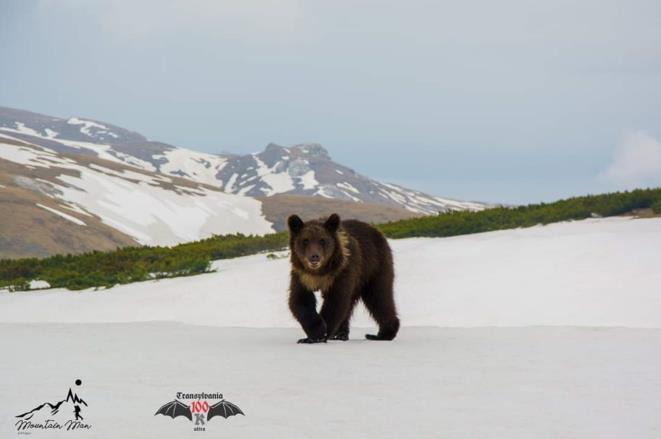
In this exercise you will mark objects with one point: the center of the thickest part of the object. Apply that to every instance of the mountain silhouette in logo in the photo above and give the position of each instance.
(51, 409)
(73, 397)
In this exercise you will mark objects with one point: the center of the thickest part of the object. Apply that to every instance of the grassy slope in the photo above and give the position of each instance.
(133, 264)
(461, 223)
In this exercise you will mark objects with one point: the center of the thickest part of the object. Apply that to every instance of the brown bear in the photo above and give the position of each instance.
(346, 261)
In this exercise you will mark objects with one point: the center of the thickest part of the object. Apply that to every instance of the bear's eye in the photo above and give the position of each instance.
(306, 241)
(322, 241)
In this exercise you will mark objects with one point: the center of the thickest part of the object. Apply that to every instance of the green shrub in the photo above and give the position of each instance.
(132, 264)
(459, 223)
(656, 206)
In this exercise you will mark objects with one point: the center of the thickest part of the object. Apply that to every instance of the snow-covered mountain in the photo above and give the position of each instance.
(305, 169)
(74, 185)
(52, 198)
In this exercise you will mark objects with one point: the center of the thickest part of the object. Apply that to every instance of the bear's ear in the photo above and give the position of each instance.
(295, 224)
(332, 223)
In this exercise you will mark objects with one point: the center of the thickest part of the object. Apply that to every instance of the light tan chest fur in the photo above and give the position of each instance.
(316, 283)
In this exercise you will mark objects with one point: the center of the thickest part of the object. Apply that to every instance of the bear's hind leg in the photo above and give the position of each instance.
(379, 301)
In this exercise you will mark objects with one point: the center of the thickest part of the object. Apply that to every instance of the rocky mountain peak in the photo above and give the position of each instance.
(274, 147)
(312, 150)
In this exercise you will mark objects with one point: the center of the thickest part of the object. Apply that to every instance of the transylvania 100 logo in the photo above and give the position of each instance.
(200, 411)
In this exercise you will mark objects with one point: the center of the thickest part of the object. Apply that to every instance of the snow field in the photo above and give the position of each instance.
(597, 272)
(525, 337)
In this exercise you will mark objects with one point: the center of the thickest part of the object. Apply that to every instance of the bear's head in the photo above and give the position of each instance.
(315, 245)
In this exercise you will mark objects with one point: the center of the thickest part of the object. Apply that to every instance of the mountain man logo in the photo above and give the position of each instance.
(200, 411)
(48, 416)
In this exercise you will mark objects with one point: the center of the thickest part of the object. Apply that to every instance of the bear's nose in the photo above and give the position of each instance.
(314, 258)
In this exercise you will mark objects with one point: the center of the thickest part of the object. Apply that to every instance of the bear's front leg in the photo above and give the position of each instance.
(303, 305)
(336, 311)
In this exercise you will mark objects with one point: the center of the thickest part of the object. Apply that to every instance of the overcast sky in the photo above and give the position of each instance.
(510, 101)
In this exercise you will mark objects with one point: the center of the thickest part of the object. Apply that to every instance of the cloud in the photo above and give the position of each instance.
(636, 162)
(152, 19)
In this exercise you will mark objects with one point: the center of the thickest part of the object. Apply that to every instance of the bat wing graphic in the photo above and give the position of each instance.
(224, 409)
(173, 409)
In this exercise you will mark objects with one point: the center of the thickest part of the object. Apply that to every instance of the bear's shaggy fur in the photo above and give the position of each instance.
(347, 261)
